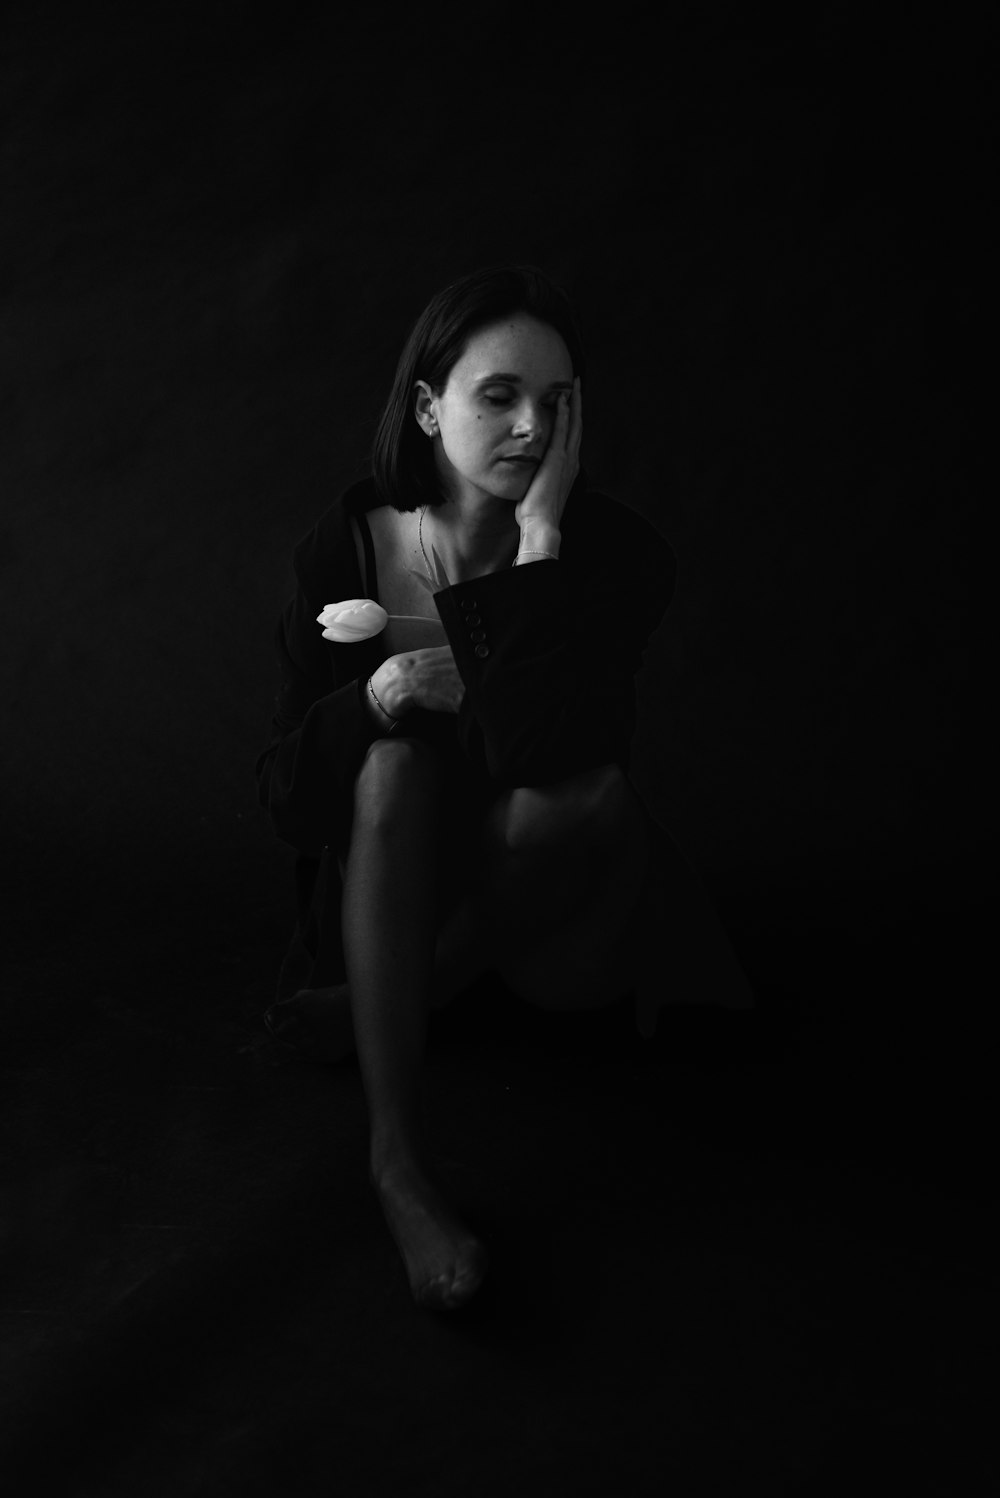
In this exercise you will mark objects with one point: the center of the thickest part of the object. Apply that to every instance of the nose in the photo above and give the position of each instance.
(527, 422)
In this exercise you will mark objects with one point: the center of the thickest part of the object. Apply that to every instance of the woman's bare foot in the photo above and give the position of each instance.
(316, 1022)
(445, 1262)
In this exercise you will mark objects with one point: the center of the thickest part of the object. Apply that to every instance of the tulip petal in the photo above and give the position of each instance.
(353, 619)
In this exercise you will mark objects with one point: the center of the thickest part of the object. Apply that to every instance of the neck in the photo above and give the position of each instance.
(471, 535)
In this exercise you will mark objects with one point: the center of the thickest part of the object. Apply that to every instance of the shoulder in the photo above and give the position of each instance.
(329, 541)
(335, 520)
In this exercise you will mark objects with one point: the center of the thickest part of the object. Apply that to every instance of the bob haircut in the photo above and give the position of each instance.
(402, 458)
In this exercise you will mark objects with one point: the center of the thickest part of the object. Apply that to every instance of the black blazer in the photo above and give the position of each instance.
(550, 691)
(549, 667)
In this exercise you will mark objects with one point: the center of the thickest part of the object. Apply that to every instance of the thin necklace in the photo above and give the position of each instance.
(423, 553)
(420, 538)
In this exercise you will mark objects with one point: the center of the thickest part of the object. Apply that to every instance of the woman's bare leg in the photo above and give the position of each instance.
(581, 899)
(562, 868)
(389, 915)
(585, 898)
(316, 1022)
(566, 865)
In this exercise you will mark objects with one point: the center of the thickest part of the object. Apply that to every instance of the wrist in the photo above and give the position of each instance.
(540, 535)
(389, 687)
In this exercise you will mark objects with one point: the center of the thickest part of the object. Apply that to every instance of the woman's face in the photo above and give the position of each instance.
(496, 413)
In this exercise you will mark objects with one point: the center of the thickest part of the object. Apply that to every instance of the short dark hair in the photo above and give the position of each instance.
(402, 458)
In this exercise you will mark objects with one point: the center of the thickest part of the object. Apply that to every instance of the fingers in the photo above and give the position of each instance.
(564, 421)
(560, 427)
(568, 428)
(575, 415)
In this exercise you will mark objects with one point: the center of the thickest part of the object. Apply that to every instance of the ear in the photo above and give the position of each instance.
(425, 408)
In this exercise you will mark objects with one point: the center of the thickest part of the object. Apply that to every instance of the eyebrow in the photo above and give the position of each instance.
(513, 379)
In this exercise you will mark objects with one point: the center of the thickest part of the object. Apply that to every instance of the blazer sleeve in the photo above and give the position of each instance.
(321, 729)
(549, 651)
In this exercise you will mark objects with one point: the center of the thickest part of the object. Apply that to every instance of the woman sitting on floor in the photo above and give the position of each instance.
(458, 770)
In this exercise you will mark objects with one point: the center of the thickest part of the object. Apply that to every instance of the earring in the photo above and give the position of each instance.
(432, 429)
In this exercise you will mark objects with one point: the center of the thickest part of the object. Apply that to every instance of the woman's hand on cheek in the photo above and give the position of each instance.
(542, 507)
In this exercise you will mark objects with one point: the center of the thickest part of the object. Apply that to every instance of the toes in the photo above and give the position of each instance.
(446, 1293)
(444, 1264)
(465, 1284)
(452, 1290)
(435, 1295)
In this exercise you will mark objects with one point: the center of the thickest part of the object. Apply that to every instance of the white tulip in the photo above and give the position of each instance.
(354, 619)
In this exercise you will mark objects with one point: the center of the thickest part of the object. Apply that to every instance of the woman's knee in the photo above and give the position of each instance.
(590, 810)
(396, 773)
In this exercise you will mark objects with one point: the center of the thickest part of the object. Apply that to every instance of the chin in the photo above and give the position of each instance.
(512, 486)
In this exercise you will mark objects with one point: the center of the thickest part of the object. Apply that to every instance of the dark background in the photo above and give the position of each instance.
(215, 235)
(215, 238)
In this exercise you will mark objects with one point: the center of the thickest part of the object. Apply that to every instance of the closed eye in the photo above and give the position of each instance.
(505, 400)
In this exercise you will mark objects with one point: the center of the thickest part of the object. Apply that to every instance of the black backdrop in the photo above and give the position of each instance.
(215, 235)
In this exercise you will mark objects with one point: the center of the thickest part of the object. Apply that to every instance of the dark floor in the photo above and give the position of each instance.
(749, 1256)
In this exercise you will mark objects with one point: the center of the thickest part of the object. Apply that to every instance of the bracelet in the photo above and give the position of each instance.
(550, 554)
(394, 721)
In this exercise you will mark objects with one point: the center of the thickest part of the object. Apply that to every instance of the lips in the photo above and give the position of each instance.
(520, 458)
